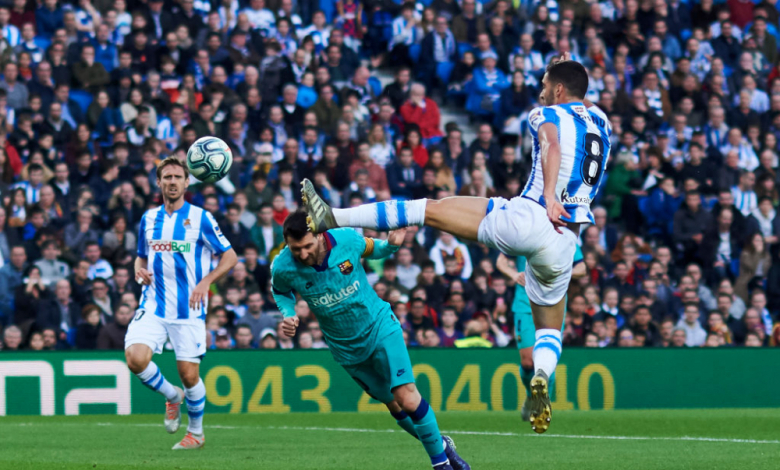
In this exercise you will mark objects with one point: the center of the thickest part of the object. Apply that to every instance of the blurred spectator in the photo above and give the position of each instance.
(447, 245)
(112, 335)
(52, 270)
(223, 339)
(99, 268)
(11, 276)
(244, 337)
(12, 338)
(694, 333)
(474, 336)
(89, 329)
(61, 314)
(424, 113)
(754, 264)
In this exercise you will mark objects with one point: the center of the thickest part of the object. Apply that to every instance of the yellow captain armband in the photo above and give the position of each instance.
(369, 247)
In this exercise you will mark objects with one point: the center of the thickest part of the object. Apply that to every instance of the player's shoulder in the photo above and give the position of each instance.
(542, 114)
(343, 235)
(151, 215)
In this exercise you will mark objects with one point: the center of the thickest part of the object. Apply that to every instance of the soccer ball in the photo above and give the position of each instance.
(209, 159)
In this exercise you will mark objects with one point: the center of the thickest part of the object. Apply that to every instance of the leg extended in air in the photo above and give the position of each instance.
(457, 215)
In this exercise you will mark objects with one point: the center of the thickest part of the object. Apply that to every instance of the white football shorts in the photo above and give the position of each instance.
(520, 227)
(188, 337)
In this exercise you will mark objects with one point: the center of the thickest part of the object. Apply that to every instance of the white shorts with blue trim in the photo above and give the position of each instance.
(188, 337)
(520, 227)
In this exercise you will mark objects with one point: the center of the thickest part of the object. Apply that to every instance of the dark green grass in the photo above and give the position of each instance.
(576, 440)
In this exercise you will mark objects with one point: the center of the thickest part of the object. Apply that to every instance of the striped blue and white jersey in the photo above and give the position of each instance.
(584, 136)
(179, 249)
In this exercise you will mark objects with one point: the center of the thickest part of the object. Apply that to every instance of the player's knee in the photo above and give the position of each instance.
(407, 397)
(393, 407)
(135, 362)
(432, 211)
(189, 378)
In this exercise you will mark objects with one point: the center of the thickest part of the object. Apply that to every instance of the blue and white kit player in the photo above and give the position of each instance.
(176, 246)
(570, 152)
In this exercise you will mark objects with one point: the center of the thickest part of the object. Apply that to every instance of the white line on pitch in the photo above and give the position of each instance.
(468, 433)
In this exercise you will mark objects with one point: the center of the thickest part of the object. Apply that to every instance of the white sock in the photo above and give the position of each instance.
(195, 398)
(386, 215)
(547, 350)
(153, 378)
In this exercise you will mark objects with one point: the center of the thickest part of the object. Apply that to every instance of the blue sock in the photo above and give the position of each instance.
(195, 398)
(525, 376)
(428, 431)
(153, 378)
(405, 422)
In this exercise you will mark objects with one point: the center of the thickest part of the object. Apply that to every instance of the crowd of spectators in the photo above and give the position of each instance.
(684, 246)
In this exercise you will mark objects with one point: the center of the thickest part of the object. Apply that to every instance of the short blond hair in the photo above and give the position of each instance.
(172, 161)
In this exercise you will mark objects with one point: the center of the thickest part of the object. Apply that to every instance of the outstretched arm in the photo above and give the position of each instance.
(551, 166)
(285, 302)
(377, 249)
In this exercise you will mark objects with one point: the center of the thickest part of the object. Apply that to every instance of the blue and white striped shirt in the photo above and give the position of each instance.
(33, 193)
(745, 201)
(748, 160)
(584, 135)
(12, 35)
(179, 249)
(166, 132)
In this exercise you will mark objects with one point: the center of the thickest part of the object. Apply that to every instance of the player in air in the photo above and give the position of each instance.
(176, 243)
(524, 320)
(570, 152)
(361, 330)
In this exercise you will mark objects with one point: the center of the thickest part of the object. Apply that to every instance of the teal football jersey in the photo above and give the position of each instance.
(352, 317)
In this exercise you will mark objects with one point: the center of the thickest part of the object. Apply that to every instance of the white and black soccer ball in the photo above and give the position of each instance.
(209, 159)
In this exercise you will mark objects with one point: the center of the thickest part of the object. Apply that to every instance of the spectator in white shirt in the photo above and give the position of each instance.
(98, 267)
(745, 199)
(448, 245)
(748, 160)
(694, 333)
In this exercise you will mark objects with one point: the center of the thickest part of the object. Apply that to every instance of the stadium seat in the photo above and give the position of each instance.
(43, 43)
(83, 98)
(376, 85)
(414, 52)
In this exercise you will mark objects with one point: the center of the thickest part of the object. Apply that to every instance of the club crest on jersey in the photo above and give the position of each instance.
(186, 223)
(535, 118)
(346, 267)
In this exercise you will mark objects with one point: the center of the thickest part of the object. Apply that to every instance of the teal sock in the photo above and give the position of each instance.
(405, 422)
(428, 431)
(525, 376)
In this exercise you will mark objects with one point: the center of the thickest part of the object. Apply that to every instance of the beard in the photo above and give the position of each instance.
(167, 198)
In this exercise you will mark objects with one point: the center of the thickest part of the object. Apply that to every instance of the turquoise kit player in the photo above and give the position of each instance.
(176, 244)
(524, 321)
(571, 144)
(361, 330)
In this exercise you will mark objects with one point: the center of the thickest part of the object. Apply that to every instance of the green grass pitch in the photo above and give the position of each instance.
(598, 440)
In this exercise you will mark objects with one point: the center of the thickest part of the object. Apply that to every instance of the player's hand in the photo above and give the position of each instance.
(143, 277)
(520, 279)
(396, 237)
(555, 211)
(289, 326)
(199, 295)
